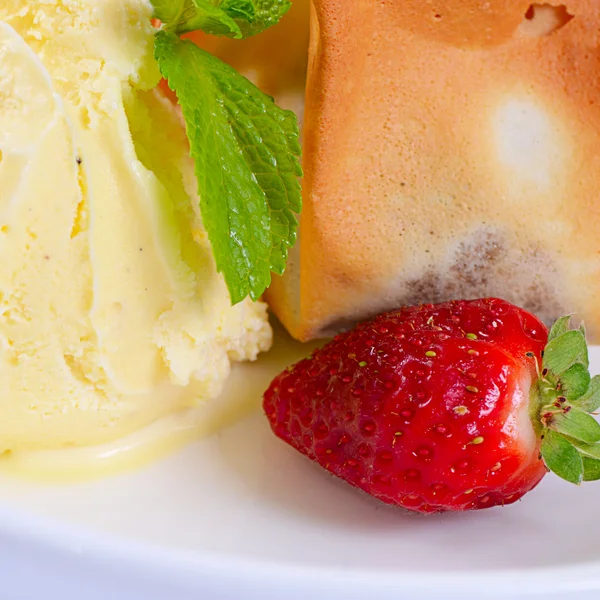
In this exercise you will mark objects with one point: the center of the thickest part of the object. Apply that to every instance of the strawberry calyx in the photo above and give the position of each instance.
(563, 401)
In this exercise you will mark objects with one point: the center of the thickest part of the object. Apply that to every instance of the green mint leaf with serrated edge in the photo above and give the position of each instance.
(575, 381)
(244, 10)
(564, 351)
(246, 154)
(231, 18)
(182, 16)
(560, 326)
(268, 13)
(578, 425)
(591, 469)
(562, 458)
(590, 400)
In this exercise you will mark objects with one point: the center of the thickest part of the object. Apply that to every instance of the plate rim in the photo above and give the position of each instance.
(56, 536)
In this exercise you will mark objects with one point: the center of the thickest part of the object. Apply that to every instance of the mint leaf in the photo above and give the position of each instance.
(244, 10)
(170, 11)
(562, 458)
(268, 13)
(231, 18)
(246, 153)
(574, 382)
(182, 16)
(564, 351)
(590, 401)
(591, 469)
(578, 425)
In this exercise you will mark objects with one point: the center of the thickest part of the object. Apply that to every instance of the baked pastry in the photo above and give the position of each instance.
(451, 149)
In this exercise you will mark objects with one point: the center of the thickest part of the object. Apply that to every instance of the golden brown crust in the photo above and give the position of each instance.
(452, 148)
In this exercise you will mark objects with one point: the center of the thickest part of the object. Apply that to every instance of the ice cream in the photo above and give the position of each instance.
(112, 314)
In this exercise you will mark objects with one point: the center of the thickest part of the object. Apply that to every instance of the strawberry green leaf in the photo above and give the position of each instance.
(590, 450)
(590, 400)
(578, 425)
(591, 469)
(560, 326)
(246, 154)
(564, 351)
(562, 458)
(574, 382)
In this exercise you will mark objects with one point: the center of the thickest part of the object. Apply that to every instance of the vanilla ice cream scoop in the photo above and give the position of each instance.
(112, 314)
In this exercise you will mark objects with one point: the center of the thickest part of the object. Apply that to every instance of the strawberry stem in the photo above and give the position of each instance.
(562, 401)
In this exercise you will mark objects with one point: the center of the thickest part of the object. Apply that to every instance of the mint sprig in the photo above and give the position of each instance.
(267, 14)
(232, 18)
(246, 152)
(563, 400)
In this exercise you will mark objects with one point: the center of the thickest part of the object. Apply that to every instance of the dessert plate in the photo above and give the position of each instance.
(240, 515)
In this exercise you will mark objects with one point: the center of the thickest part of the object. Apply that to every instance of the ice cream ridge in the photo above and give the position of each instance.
(112, 314)
(450, 151)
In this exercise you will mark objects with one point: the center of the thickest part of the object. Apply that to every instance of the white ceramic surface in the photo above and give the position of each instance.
(240, 515)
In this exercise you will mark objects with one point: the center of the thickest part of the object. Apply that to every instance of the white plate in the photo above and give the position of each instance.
(242, 516)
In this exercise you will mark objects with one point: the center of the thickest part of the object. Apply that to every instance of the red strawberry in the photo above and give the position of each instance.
(441, 407)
